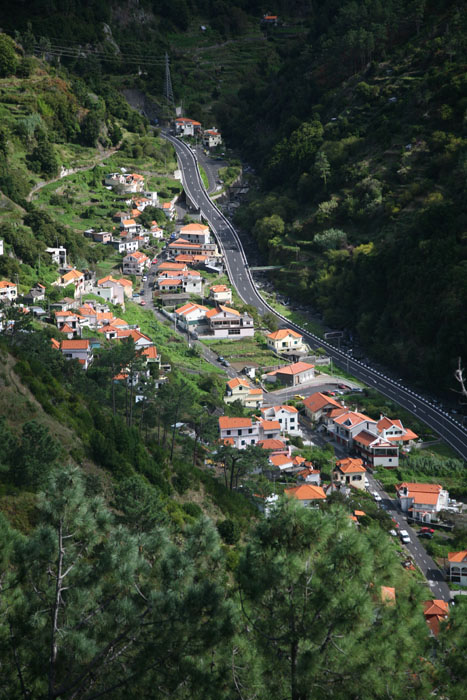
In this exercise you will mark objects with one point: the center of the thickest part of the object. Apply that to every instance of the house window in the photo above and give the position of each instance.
(243, 442)
(250, 430)
(280, 420)
(228, 432)
(357, 477)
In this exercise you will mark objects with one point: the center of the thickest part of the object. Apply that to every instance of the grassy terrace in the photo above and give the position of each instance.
(245, 351)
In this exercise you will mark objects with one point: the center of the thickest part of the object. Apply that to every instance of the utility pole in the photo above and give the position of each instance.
(168, 91)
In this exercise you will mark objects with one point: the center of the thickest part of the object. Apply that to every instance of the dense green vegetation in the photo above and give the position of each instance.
(133, 560)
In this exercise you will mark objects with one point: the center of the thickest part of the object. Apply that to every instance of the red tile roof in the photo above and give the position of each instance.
(306, 492)
(226, 422)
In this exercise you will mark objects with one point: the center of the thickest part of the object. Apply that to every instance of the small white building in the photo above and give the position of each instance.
(58, 255)
(225, 322)
(458, 567)
(212, 138)
(285, 342)
(195, 233)
(287, 417)
(422, 501)
(238, 432)
(220, 294)
(8, 290)
(135, 263)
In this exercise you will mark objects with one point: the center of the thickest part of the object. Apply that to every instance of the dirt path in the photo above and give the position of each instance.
(72, 171)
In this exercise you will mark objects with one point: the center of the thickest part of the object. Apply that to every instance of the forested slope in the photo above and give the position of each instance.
(360, 140)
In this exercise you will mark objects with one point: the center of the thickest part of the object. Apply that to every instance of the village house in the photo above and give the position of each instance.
(375, 450)
(220, 294)
(309, 475)
(211, 138)
(349, 424)
(121, 289)
(281, 462)
(35, 294)
(238, 432)
(349, 472)
(435, 611)
(187, 281)
(422, 501)
(394, 431)
(171, 266)
(286, 342)
(307, 494)
(130, 226)
(191, 315)
(458, 567)
(58, 255)
(135, 263)
(226, 322)
(269, 430)
(195, 233)
(287, 417)
(183, 247)
(169, 210)
(318, 406)
(156, 231)
(239, 390)
(74, 277)
(125, 182)
(276, 446)
(292, 375)
(75, 350)
(187, 127)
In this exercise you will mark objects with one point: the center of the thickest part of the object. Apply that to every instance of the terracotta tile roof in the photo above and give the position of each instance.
(406, 437)
(74, 344)
(129, 222)
(189, 307)
(414, 487)
(306, 492)
(284, 333)
(435, 611)
(271, 444)
(350, 466)
(219, 288)
(194, 228)
(270, 425)
(169, 282)
(172, 266)
(226, 423)
(352, 418)
(296, 368)
(236, 381)
(256, 392)
(66, 329)
(150, 352)
(72, 275)
(458, 557)
(366, 438)
(4, 284)
(280, 461)
(55, 343)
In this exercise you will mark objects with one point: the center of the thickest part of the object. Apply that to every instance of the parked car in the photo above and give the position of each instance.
(220, 359)
(299, 397)
(142, 302)
(145, 278)
(226, 363)
(377, 497)
(427, 529)
(426, 535)
(405, 537)
(343, 386)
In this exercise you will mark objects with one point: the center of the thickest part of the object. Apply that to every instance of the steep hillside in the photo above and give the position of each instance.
(362, 150)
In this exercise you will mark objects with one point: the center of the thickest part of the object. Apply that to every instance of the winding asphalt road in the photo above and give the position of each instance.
(446, 426)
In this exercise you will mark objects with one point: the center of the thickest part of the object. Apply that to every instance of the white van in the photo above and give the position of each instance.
(405, 537)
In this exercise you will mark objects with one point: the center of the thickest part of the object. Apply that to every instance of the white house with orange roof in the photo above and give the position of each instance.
(195, 233)
(309, 475)
(186, 126)
(191, 315)
(458, 567)
(129, 226)
(211, 138)
(349, 472)
(281, 462)
(285, 341)
(347, 425)
(276, 446)
(172, 266)
(183, 247)
(169, 209)
(126, 182)
(307, 494)
(394, 431)
(220, 294)
(318, 405)
(422, 501)
(75, 350)
(188, 281)
(269, 429)
(435, 611)
(225, 322)
(292, 375)
(151, 355)
(74, 277)
(122, 288)
(286, 416)
(135, 263)
(375, 450)
(8, 291)
(238, 389)
(156, 231)
(238, 432)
